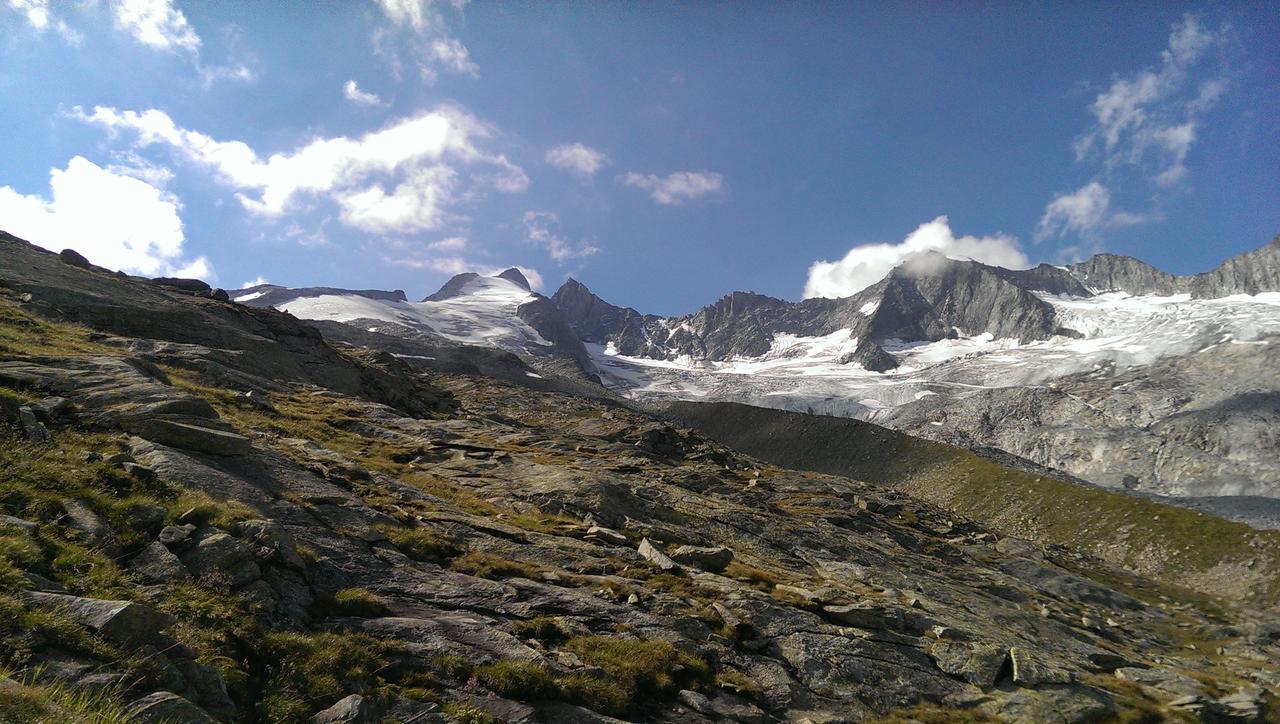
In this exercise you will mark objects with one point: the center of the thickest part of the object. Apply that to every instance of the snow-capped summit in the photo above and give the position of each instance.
(469, 309)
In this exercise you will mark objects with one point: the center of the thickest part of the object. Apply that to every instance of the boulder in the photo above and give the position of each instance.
(192, 437)
(156, 564)
(32, 427)
(655, 556)
(165, 707)
(713, 558)
(606, 535)
(218, 551)
(80, 517)
(126, 623)
(26, 526)
(1031, 670)
(863, 615)
(71, 257)
(978, 664)
(354, 709)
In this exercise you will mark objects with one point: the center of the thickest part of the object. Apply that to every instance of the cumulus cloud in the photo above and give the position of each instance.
(676, 188)
(582, 160)
(255, 282)
(405, 177)
(116, 221)
(540, 228)
(156, 24)
(869, 263)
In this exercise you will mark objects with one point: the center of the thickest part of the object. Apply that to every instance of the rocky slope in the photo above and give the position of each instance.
(189, 534)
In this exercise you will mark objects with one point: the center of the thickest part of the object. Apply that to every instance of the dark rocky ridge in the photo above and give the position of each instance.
(1249, 273)
(925, 300)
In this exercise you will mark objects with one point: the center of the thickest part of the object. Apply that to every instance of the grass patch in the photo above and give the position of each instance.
(487, 565)
(467, 714)
(518, 680)
(312, 672)
(422, 544)
(28, 701)
(637, 670)
(353, 602)
(24, 334)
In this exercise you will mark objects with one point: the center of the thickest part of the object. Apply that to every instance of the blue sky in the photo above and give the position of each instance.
(664, 154)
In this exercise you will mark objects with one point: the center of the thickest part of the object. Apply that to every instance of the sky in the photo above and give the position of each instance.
(663, 154)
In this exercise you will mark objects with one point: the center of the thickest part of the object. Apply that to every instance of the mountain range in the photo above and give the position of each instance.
(218, 512)
(1107, 370)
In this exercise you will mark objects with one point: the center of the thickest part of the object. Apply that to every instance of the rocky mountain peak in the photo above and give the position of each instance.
(517, 277)
(453, 287)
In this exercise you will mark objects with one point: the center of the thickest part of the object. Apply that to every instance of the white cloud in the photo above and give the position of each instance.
(156, 24)
(453, 243)
(235, 72)
(38, 17)
(353, 93)
(1149, 119)
(1081, 211)
(461, 265)
(453, 55)
(418, 158)
(869, 263)
(539, 229)
(582, 160)
(116, 221)
(1146, 121)
(255, 282)
(676, 188)
(432, 45)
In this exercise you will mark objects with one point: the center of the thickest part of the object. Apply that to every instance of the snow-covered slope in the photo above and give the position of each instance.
(804, 373)
(480, 311)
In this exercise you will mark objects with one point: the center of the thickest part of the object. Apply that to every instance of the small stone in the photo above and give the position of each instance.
(119, 458)
(655, 556)
(174, 534)
(633, 599)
